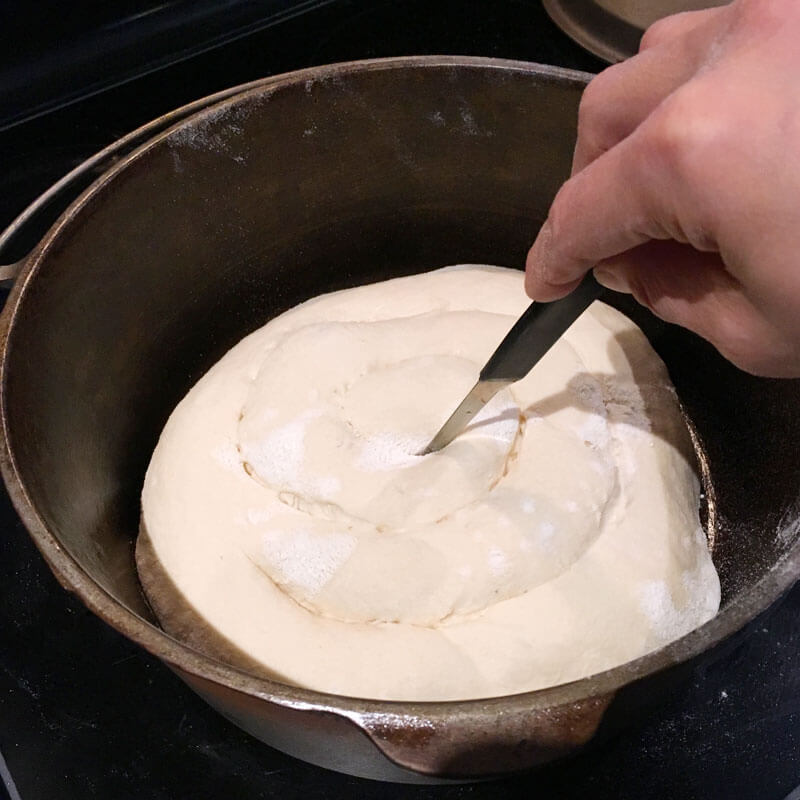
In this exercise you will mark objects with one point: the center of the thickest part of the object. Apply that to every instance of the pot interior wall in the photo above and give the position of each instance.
(288, 192)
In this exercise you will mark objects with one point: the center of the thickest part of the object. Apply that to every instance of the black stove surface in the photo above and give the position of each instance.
(86, 714)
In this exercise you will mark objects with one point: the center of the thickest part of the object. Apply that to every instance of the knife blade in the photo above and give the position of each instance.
(533, 334)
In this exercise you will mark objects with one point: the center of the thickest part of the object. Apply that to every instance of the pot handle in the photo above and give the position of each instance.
(64, 190)
(501, 739)
(8, 274)
(46, 204)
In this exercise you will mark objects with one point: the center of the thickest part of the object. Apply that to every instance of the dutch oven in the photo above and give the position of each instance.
(223, 214)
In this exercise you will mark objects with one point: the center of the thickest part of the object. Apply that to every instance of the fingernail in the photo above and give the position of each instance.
(612, 279)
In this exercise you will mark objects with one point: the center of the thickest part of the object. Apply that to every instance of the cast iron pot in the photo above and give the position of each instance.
(297, 185)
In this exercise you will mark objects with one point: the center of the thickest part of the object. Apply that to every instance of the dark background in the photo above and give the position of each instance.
(86, 714)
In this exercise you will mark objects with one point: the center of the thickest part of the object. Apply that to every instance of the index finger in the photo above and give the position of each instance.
(613, 204)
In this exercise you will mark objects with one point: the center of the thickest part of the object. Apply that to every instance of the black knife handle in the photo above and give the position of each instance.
(537, 330)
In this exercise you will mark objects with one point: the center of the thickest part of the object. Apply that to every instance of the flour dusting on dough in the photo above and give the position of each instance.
(305, 559)
(557, 536)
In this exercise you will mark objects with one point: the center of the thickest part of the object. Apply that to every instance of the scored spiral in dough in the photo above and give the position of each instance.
(558, 535)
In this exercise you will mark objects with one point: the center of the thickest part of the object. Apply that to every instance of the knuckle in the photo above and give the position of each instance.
(596, 97)
(593, 98)
(669, 137)
(688, 131)
(661, 31)
(687, 152)
(596, 112)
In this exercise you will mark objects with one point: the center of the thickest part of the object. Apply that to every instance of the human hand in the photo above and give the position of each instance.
(685, 187)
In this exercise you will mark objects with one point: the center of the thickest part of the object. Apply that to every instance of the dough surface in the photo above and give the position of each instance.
(288, 524)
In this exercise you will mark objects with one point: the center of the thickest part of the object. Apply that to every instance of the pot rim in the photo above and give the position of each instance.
(737, 613)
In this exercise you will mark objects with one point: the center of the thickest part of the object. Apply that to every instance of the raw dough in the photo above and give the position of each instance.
(288, 526)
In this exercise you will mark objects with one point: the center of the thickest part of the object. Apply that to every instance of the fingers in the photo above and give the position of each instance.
(608, 206)
(606, 209)
(652, 185)
(667, 150)
(684, 286)
(677, 282)
(620, 97)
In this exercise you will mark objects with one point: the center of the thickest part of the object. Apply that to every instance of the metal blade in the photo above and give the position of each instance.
(479, 395)
(533, 334)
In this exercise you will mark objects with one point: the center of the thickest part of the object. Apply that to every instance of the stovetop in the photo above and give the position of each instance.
(86, 714)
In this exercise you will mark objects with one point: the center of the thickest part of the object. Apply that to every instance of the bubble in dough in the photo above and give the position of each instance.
(289, 526)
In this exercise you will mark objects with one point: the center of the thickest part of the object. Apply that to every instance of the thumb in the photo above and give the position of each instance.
(693, 289)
